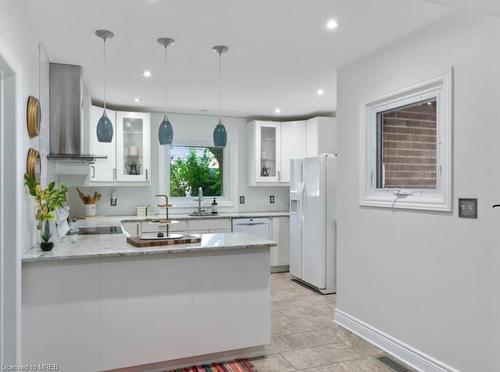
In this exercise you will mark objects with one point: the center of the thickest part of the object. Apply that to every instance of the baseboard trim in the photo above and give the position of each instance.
(411, 356)
(280, 269)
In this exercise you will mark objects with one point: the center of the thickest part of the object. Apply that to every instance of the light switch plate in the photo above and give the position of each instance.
(271, 199)
(467, 208)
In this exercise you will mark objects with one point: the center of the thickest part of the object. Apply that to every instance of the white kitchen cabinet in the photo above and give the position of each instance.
(267, 151)
(293, 145)
(321, 136)
(103, 170)
(133, 146)
(192, 226)
(280, 255)
(271, 146)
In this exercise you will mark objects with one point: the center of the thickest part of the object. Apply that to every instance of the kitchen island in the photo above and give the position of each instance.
(96, 303)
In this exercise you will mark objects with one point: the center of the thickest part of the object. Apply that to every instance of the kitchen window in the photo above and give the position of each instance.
(407, 147)
(192, 167)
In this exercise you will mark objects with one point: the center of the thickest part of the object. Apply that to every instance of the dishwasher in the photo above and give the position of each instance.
(255, 226)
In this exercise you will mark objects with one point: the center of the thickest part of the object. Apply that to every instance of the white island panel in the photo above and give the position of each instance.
(232, 301)
(62, 315)
(110, 306)
(146, 310)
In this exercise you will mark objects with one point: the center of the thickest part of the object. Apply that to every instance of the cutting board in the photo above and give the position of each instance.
(140, 243)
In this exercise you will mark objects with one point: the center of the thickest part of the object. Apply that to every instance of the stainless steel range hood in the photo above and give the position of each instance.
(66, 114)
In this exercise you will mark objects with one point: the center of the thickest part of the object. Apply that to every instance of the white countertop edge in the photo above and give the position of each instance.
(63, 252)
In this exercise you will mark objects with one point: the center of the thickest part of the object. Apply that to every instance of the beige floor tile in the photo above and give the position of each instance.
(362, 347)
(328, 335)
(358, 365)
(272, 363)
(299, 325)
(278, 345)
(306, 358)
(323, 321)
(337, 352)
(278, 328)
(304, 340)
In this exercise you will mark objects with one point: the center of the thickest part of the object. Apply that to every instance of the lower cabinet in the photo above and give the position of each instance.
(193, 226)
(280, 255)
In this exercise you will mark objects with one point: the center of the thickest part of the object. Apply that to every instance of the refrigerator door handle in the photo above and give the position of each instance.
(300, 199)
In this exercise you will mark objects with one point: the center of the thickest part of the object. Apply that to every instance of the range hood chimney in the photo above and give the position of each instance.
(66, 114)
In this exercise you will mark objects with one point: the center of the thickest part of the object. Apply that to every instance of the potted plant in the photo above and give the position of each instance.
(47, 201)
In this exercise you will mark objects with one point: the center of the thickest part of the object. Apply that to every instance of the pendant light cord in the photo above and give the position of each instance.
(104, 45)
(165, 82)
(220, 86)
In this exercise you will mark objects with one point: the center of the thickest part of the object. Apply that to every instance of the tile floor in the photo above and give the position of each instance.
(305, 338)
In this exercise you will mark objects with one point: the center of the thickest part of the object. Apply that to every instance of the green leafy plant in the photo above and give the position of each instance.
(194, 171)
(46, 236)
(47, 199)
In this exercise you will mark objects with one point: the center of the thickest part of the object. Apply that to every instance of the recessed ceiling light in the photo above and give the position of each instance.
(146, 73)
(137, 100)
(320, 92)
(277, 110)
(331, 24)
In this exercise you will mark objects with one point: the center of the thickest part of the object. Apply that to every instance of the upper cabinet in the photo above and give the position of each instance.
(268, 147)
(128, 154)
(294, 143)
(133, 146)
(273, 144)
(103, 170)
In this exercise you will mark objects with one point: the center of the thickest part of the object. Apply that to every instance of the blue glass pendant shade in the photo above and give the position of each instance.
(104, 129)
(165, 132)
(220, 135)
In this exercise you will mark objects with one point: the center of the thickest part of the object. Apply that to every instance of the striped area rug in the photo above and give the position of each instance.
(240, 365)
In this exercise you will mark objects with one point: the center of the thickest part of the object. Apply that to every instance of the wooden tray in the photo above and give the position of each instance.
(140, 243)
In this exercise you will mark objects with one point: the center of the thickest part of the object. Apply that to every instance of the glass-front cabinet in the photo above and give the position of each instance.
(133, 146)
(102, 170)
(268, 151)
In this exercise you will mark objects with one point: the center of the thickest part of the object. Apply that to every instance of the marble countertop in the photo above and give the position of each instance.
(117, 220)
(115, 245)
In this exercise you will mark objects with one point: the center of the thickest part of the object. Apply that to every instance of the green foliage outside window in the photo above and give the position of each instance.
(200, 167)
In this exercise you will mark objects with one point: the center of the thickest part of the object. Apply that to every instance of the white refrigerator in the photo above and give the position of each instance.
(313, 205)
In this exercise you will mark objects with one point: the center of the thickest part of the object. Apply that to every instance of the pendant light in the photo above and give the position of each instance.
(220, 134)
(104, 125)
(165, 131)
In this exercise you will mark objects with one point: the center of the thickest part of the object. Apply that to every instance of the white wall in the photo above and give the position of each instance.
(20, 49)
(429, 279)
(189, 128)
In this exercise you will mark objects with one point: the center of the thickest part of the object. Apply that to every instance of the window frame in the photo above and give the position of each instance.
(439, 199)
(180, 201)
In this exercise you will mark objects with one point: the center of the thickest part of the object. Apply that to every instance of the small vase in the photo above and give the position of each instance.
(90, 210)
(46, 246)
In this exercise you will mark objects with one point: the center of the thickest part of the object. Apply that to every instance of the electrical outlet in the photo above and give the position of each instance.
(242, 199)
(467, 208)
(271, 199)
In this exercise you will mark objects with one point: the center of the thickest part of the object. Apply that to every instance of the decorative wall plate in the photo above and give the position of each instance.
(33, 116)
(33, 164)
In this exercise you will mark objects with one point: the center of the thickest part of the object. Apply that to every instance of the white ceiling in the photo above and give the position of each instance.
(279, 50)
(487, 7)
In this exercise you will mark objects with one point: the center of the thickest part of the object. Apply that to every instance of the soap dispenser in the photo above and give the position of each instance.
(214, 207)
